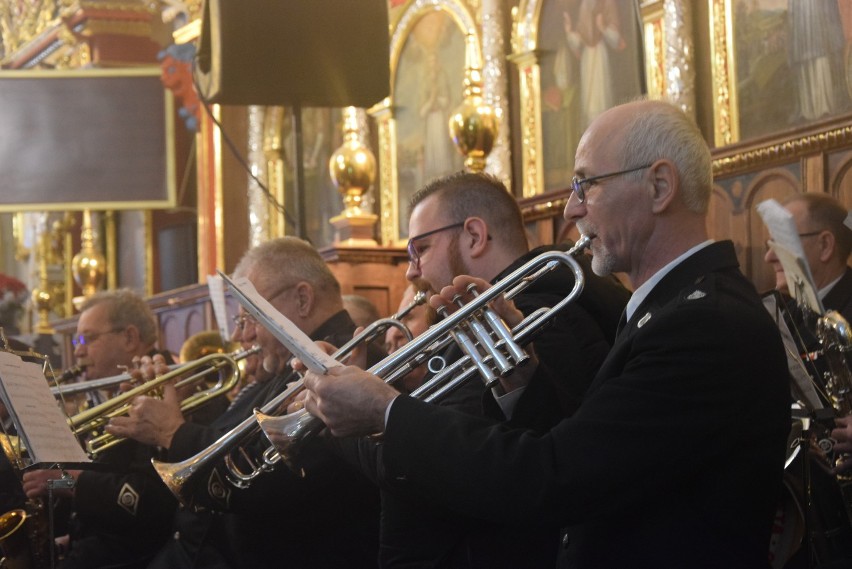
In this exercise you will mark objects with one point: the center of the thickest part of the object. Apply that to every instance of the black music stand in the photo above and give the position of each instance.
(43, 439)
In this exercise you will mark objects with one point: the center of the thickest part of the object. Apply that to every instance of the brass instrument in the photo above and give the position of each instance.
(175, 475)
(287, 432)
(98, 416)
(835, 337)
(69, 389)
(196, 346)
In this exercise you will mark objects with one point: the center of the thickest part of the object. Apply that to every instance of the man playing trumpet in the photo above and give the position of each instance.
(326, 518)
(674, 457)
(121, 514)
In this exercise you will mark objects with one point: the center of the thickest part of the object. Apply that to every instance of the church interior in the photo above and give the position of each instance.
(226, 139)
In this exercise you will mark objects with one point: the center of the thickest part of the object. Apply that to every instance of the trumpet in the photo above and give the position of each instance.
(490, 349)
(288, 431)
(176, 475)
(66, 390)
(98, 416)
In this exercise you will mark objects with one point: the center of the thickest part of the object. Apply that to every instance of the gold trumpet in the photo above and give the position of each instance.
(98, 416)
(176, 475)
(287, 432)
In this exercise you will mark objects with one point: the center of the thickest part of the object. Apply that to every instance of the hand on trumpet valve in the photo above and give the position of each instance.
(143, 369)
(464, 289)
(297, 404)
(349, 400)
(842, 435)
(150, 420)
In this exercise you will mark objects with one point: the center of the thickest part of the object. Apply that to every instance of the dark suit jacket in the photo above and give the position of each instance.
(417, 532)
(326, 519)
(839, 298)
(121, 512)
(675, 456)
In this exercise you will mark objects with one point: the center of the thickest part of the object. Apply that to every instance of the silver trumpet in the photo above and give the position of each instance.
(176, 475)
(490, 349)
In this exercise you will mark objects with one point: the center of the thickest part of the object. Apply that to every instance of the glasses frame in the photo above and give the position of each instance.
(578, 183)
(86, 339)
(242, 320)
(413, 255)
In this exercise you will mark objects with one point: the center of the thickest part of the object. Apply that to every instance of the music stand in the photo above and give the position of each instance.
(44, 440)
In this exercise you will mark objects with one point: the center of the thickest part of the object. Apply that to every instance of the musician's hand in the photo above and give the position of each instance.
(446, 298)
(842, 433)
(298, 402)
(144, 368)
(349, 400)
(35, 483)
(150, 421)
(297, 365)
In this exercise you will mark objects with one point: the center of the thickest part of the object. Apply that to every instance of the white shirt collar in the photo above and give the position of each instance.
(641, 293)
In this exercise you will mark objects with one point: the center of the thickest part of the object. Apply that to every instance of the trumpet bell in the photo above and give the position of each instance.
(205, 343)
(286, 432)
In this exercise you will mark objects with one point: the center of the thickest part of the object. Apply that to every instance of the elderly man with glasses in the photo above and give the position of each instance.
(325, 515)
(469, 223)
(675, 456)
(121, 511)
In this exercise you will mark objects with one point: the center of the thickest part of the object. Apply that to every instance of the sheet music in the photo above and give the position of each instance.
(220, 309)
(40, 422)
(788, 248)
(299, 344)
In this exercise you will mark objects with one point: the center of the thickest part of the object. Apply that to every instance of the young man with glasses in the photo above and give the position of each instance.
(468, 223)
(675, 456)
(121, 512)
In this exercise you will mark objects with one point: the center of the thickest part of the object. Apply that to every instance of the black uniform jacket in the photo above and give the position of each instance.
(326, 519)
(839, 298)
(674, 458)
(122, 509)
(418, 532)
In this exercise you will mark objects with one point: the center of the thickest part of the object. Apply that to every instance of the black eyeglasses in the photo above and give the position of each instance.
(769, 242)
(242, 320)
(581, 186)
(414, 254)
(86, 339)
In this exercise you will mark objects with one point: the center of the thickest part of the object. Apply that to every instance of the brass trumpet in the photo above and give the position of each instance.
(98, 416)
(176, 475)
(490, 349)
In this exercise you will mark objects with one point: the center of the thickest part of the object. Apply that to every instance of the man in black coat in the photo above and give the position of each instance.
(487, 239)
(675, 456)
(324, 517)
(826, 237)
(121, 510)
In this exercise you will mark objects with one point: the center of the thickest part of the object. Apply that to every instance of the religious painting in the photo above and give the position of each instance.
(428, 89)
(791, 63)
(591, 60)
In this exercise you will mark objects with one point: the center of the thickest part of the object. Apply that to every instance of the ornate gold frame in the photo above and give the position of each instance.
(723, 71)
(383, 112)
(171, 190)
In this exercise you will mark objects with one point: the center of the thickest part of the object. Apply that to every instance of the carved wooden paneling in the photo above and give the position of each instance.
(375, 273)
